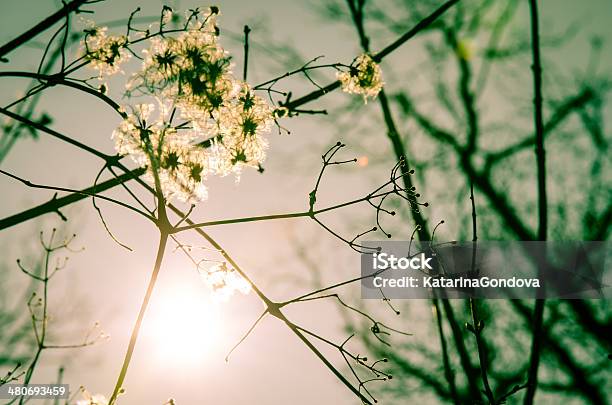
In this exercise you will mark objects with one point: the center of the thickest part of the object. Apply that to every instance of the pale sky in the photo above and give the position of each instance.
(106, 283)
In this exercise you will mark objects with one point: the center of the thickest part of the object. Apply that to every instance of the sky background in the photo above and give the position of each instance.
(185, 336)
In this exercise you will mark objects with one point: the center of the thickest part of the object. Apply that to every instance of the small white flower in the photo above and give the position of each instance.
(364, 78)
(224, 281)
(96, 399)
(167, 15)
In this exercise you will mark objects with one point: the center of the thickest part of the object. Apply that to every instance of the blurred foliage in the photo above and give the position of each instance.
(462, 97)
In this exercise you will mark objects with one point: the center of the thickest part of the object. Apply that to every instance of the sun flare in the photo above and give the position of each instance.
(184, 327)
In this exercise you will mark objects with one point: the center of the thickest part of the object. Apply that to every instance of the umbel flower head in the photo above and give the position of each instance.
(192, 69)
(105, 52)
(171, 160)
(242, 121)
(192, 74)
(364, 78)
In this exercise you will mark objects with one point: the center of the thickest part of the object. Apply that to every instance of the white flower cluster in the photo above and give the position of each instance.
(364, 78)
(174, 163)
(224, 281)
(190, 77)
(105, 52)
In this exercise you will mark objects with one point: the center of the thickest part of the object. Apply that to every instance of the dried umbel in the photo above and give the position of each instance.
(190, 77)
(364, 77)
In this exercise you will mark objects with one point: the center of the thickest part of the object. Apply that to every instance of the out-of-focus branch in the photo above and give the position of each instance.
(560, 114)
(540, 152)
(420, 221)
(477, 324)
(552, 344)
(40, 27)
(602, 225)
(449, 374)
(466, 94)
(498, 201)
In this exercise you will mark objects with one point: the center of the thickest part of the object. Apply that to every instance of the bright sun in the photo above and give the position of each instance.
(184, 327)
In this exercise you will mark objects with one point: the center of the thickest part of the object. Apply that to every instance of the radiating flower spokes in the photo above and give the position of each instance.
(168, 153)
(241, 123)
(105, 52)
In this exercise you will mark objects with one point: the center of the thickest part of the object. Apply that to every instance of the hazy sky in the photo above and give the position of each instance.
(106, 283)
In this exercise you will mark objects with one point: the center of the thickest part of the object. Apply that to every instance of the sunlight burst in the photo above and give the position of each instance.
(184, 327)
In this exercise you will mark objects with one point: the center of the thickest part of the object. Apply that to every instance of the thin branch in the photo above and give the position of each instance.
(60, 79)
(163, 239)
(421, 26)
(247, 30)
(478, 325)
(83, 192)
(101, 216)
(248, 332)
(55, 203)
(538, 315)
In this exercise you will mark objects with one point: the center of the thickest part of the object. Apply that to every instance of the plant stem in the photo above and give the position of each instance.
(163, 239)
(40, 339)
(247, 30)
